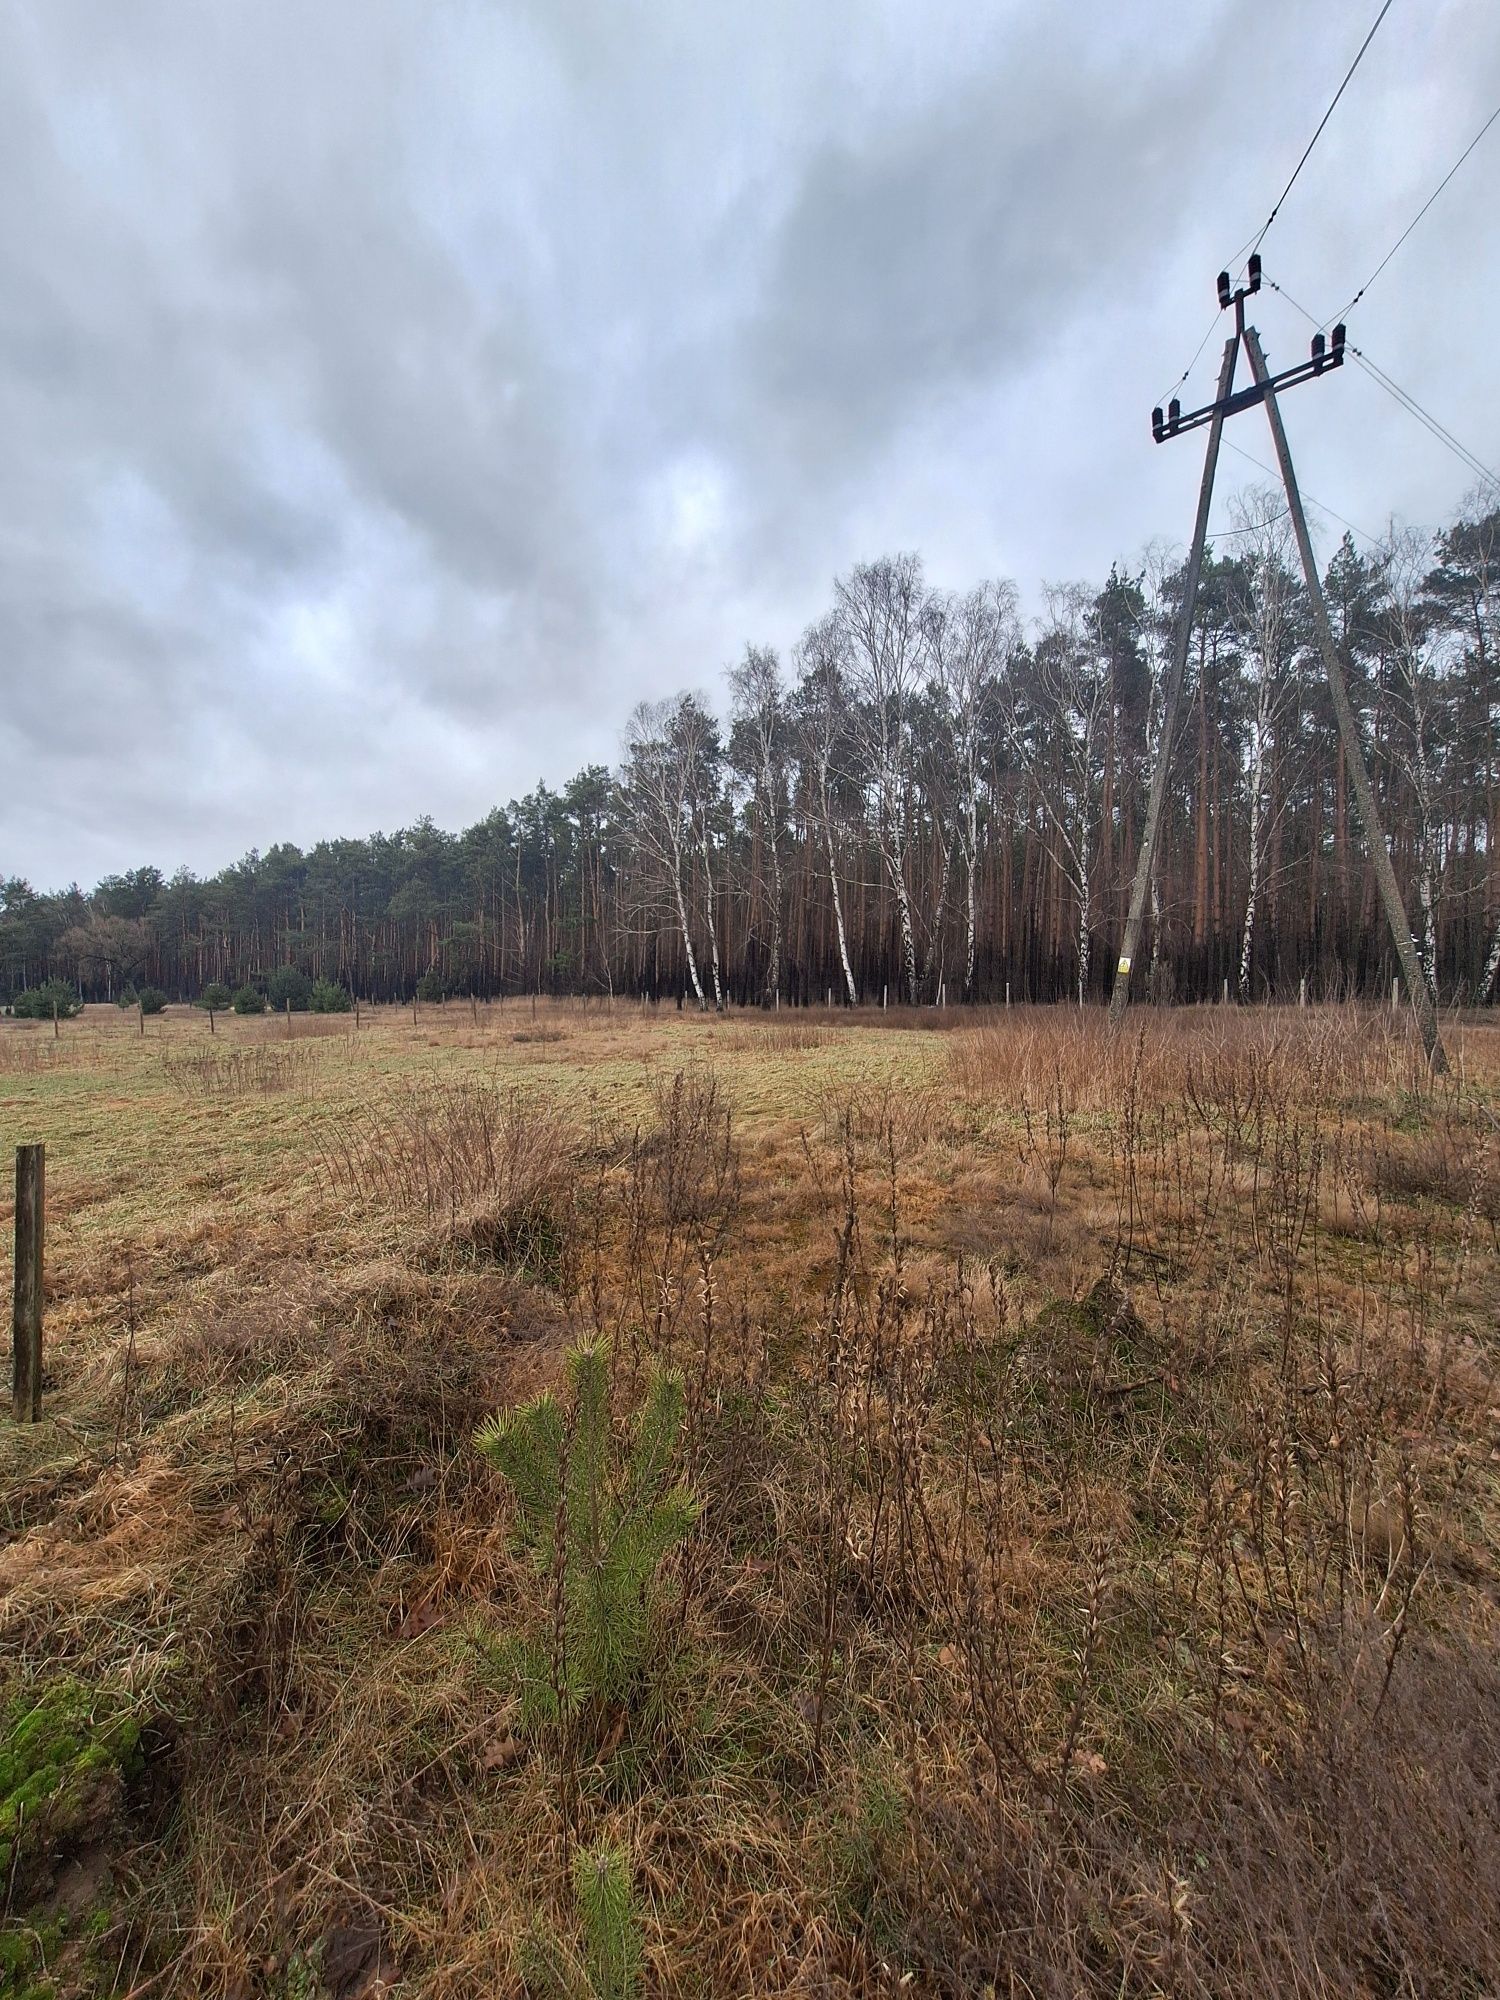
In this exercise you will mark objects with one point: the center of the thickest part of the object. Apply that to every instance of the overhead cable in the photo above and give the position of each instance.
(1346, 310)
(1321, 123)
(1254, 242)
(1393, 389)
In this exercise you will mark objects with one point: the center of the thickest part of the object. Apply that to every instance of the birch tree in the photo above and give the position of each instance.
(880, 609)
(971, 641)
(668, 788)
(759, 745)
(1055, 719)
(823, 729)
(1264, 604)
(1409, 634)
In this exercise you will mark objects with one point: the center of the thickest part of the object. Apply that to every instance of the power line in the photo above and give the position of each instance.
(1251, 527)
(1344, 313)
(1175, 386)
(1393, 389)
(1321, 506)
(1321, 123)
(1424, 417)
(1254, 242)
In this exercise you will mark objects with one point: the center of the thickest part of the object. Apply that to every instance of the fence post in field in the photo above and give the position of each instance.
(289, 1017)
(30, 1211)
(140, 1009)
(56, 1031)
(1395, 994)
(1302, 991)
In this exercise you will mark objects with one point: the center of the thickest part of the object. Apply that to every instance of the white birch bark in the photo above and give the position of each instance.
(880, 608)
(821, 659)
(1264, 609)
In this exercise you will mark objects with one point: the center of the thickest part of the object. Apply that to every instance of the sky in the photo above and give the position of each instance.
(394, 392)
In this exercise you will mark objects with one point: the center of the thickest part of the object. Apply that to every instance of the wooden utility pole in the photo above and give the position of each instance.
(1354, 754)
(1227, 402)
(1146, 859)
(31, 1194)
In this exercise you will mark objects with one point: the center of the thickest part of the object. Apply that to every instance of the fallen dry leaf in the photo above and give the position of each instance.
(500, 1752)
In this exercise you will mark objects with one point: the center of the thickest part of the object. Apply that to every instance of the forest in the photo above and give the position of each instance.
(933, 798)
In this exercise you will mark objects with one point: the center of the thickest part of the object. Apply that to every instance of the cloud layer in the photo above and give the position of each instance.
(393, 394)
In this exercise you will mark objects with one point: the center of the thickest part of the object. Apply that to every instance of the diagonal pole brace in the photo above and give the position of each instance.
(1146, 859)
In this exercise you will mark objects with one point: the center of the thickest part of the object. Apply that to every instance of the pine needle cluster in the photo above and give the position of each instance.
(603, 1962)
(598, 1516)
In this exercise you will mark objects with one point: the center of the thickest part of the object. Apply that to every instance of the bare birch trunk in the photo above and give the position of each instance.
(713, 929)
(838, 909)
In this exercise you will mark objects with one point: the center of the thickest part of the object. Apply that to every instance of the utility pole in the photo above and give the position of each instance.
(1146, 860)
(1228, 402)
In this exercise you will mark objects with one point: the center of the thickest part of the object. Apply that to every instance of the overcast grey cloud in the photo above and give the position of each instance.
(393, 394)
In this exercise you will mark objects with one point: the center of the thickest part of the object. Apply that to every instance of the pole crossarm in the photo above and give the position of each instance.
(1229, 402)
(1171, 426)
(1321, 358)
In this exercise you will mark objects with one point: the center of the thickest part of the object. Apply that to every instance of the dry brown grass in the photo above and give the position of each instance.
(1096, 1579)
(256, 1068)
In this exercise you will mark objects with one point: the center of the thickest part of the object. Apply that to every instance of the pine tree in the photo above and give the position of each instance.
(611, 1922)
(598, 1522)
(605, 1961)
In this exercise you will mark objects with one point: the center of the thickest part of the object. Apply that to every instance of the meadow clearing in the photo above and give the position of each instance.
(1084, 1577)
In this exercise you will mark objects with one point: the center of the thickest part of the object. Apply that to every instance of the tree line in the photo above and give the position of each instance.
(930, 797)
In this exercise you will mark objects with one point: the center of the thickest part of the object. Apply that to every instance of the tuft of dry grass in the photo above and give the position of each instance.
(492, 1169)
(254, 1069)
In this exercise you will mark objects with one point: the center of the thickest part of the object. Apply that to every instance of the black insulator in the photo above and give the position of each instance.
(1223, 288)
(1340, 333)
(1174, 413)
(1317, 353)
(1254, 271)
(1156, 423)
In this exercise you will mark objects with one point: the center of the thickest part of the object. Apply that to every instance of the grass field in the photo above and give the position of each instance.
(1093, 1579)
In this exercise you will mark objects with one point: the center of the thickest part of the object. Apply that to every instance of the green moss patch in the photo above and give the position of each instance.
(66, 1752)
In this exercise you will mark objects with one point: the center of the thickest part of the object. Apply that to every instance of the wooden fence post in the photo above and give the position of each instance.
(30, 1213)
